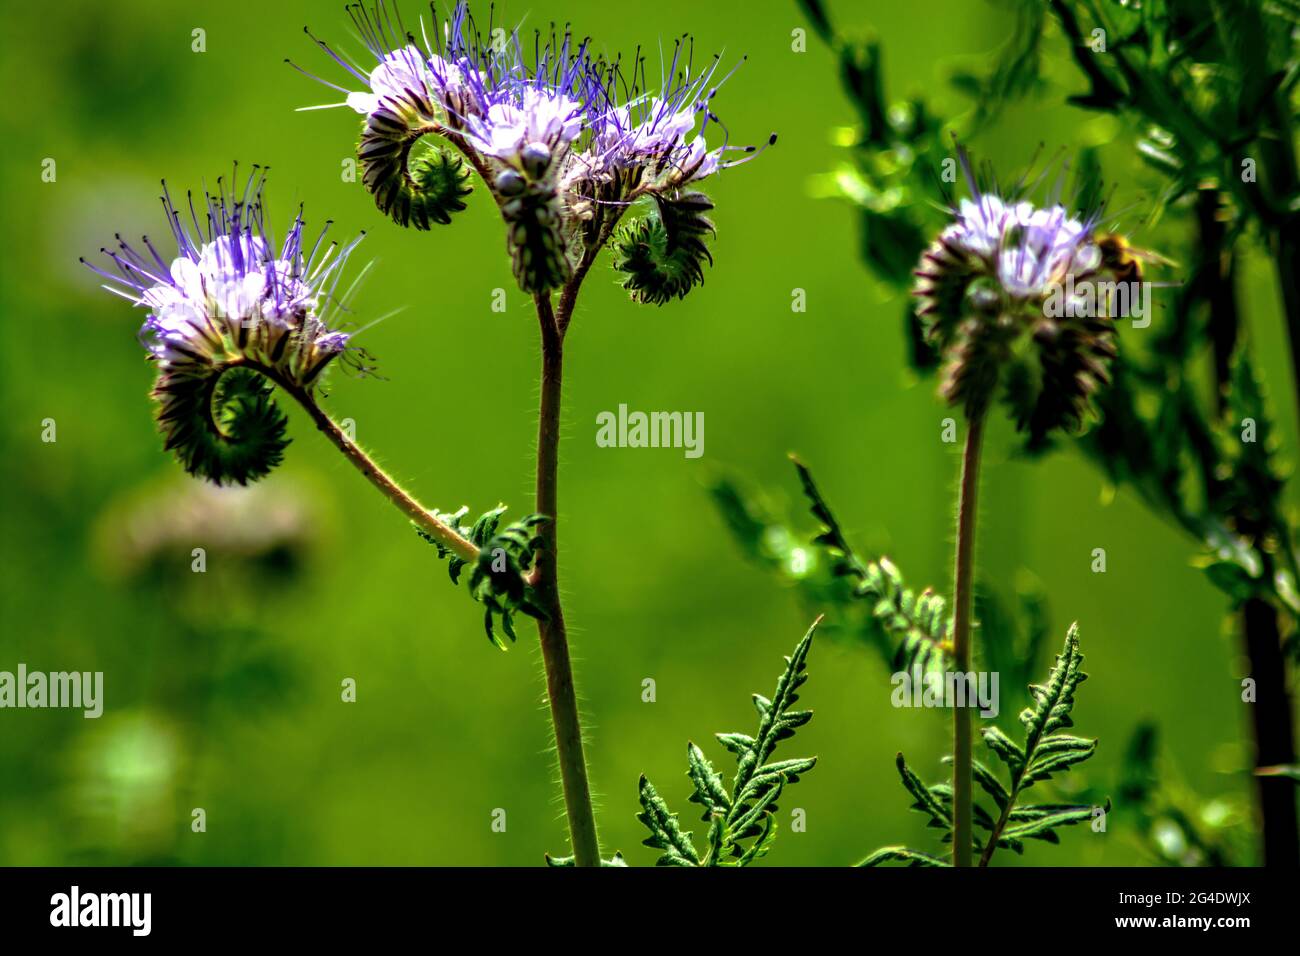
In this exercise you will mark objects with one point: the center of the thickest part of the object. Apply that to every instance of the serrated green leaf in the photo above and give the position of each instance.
(1054, 700)
(1044, 826)
(1056, 753)
(1006, 749)
(903, 855)
(761, 844)
(1038, 811)
(710, 792)
(738, 744)
(748, 818)
(990, 783)
(777, 724)
(926, 801)
(741, 826)
(665, 833)
(1042, 754)
(775, 774)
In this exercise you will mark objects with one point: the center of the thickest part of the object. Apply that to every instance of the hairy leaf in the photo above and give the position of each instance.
(902, 854)
(499, 578)
(1042, 754)
(741, 819)
(665, 833)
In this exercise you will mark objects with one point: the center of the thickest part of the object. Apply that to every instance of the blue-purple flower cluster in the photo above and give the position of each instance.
(565, 140)
(1024, 250)
(230, 315)
(229, 296)
(987, 288)
(561, 105)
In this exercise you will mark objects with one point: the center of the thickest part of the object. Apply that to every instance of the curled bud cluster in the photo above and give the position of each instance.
(663, 254)
(229, 316)
(983, 288)
(566, 143)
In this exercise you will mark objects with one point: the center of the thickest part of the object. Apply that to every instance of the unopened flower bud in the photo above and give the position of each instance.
(509, 183)
(535, 158)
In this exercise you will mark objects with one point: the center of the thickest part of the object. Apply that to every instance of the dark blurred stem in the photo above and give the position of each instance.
(555, 645)
(963, 599)
(1270, 716)
(1271, 711)
(1214, 279)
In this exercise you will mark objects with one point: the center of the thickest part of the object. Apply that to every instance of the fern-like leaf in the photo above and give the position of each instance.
(902, 854)
(665, 832)
(1043, 753)
(918, 621)
(742, 822)
(927, 801)
(1054, 700)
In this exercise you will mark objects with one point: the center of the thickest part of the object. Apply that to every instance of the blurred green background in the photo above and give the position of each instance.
(223, 689)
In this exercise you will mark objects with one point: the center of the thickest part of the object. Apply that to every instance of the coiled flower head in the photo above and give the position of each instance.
(987, 291)
(653, 142)
(565, 142)
(230, 315)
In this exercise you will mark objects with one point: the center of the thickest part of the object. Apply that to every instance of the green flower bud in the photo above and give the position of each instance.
(663, 254)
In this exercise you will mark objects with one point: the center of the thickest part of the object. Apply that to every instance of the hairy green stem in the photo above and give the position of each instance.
(963, 605)
(444, 534)
(554, 640)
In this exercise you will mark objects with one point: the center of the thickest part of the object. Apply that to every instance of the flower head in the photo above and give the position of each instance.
(230, 299)
(656, 138)
(541, 124)
(989, 290)
(566, 142)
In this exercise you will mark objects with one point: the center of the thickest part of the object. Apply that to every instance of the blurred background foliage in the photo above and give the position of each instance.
(223, 689)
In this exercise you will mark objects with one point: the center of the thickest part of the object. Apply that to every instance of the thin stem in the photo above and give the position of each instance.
(442, 533)
(1270, 716)
(996, 833)
(963, 599)
(554, 640)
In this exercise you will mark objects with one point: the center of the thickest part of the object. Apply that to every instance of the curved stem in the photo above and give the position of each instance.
(554, 640)
(963, 599)
(445, 535)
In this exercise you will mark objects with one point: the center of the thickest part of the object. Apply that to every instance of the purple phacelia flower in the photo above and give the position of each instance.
(230, 315)
(565, 142)
(989, 292)
(229, 296)
(656, 138)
